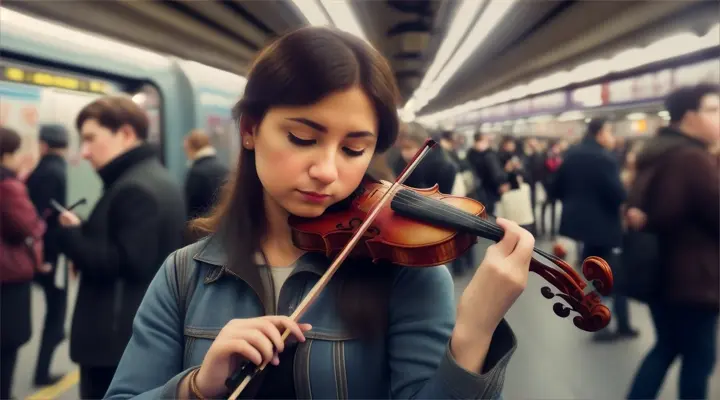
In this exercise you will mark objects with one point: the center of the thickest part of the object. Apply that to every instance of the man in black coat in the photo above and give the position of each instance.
(48, 181)
(489, 170)
(135, 225)
(205, 177)
(435, 169)
(589, 186)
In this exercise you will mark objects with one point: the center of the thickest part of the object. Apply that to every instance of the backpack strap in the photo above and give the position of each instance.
(185, 275)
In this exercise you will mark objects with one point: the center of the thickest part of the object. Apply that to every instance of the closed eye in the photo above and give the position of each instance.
(353, 153)
(309, 142)
(300, 142)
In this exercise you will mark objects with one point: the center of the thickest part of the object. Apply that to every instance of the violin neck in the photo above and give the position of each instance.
(410, 204)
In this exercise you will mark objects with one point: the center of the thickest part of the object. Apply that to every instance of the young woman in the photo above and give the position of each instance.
(19, 258)
(319, 103)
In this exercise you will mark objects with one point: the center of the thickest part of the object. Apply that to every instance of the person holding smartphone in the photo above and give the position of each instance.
(137, 222)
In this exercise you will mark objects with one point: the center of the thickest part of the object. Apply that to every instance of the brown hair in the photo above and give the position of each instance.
(112, 112)
(688, 98)
(301, 68)
(197, 139)
(9, 141)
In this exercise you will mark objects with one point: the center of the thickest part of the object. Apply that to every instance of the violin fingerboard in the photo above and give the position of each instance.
(416, 206)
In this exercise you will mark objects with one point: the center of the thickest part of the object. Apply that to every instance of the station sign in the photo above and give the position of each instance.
(40, 77)
(642, 88)
(649, 86)
(550, 102)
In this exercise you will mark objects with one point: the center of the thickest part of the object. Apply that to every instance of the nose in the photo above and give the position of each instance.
(324, 169)
(85, 151)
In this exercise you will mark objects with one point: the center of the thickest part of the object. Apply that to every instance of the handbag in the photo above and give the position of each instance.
(459, 188)
(516, 205)
(639, 274)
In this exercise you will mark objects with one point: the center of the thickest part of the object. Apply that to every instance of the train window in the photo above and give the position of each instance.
(148, 97)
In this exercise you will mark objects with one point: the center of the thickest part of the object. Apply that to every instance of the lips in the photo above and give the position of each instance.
(314, 195)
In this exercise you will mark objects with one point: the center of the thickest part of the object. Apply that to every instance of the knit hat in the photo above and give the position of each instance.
(55, 136)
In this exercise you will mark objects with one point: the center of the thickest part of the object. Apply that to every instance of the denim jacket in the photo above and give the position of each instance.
(413, 360)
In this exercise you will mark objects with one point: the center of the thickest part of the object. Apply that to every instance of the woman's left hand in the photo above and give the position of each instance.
(498, 282)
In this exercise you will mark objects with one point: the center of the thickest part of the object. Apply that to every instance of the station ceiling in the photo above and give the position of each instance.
(534, 37)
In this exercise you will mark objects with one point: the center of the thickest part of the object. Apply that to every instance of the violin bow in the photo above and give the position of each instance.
(325, 278)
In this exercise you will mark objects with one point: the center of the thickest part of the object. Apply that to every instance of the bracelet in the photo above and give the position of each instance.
(193, 385)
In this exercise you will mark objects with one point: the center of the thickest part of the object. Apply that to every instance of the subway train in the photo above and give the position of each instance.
(49, 72)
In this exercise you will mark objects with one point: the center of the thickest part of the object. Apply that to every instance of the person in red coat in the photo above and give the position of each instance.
(21, 231)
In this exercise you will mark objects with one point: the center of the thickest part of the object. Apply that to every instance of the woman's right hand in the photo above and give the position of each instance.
(253, 339)
(636, 218)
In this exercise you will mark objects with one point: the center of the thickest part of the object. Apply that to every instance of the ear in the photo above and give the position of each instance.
(247, 133)
(127, 131)
(248, 141)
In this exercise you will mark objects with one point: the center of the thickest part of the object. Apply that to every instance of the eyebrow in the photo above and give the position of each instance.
(322, 128)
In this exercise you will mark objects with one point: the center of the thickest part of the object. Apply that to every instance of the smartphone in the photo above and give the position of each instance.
(59, 208)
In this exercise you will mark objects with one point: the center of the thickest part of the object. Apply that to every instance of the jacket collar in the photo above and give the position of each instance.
(213, 252)
(667, 140)
(52, 157)
(113, 170)
(673, 132)
(590, 141)
(204, 153)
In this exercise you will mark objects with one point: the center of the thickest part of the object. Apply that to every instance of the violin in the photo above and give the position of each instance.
(425, 228)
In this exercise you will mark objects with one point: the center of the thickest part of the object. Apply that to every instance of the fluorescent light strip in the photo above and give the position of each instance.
(627, 59)
(343, 17)
(460, 24)
(312, 11)
(484, 25)
(488, 20)
(465, 15)
(339, 12)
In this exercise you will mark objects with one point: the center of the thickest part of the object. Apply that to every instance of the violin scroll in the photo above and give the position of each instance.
(597, 270)
(592, 314)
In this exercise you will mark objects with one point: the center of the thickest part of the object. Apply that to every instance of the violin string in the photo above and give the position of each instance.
(491, 228)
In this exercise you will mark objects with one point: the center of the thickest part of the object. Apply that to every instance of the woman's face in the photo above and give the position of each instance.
(310, 157)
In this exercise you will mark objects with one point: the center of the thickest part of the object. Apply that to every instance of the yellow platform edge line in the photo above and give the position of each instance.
(54, 391)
